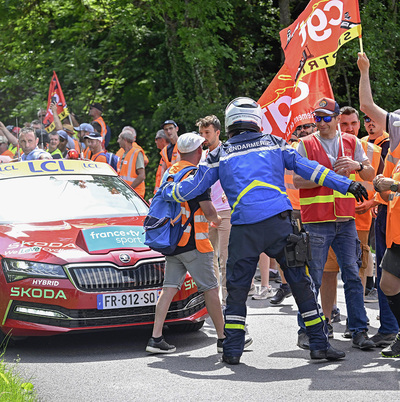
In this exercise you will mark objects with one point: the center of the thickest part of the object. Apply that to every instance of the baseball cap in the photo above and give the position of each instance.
(160, 134)
(328, 106)
(62, 134)
(168, 122)
(13, 129)
(85, 127)
(94, 136)
(97, 106)
(189, 142)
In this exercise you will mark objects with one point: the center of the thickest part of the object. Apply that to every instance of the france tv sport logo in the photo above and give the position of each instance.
(114, 237)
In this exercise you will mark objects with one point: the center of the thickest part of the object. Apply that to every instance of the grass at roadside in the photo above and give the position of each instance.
(12, 387)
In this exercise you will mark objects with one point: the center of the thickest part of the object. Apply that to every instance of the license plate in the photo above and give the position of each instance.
(127, 299)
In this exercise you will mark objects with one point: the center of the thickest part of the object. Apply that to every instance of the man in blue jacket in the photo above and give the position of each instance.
(251, 166)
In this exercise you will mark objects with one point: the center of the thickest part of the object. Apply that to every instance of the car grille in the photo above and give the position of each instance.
(104, 318)
(107, 277)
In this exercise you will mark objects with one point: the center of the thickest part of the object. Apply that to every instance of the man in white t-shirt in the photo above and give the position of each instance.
(210, 129)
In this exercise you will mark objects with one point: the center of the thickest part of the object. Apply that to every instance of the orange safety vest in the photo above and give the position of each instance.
(380, 140)
(127, 170)
(373, 152)
(120, 153)
(392, 158)
(87, 153)
(322, 204)
(158, 176)
(137, 146)
(7, 152)
(175, 156)
(103, 133)
(203, 244)
(393, 213)
(291, 190)
(99, 157)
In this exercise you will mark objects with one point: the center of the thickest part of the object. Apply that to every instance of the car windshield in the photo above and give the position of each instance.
(61, 197)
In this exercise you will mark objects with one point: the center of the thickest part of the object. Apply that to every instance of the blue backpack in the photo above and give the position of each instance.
(163, 224)
(112, 160)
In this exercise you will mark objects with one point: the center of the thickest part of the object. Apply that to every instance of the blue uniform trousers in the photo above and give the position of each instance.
(246, 243)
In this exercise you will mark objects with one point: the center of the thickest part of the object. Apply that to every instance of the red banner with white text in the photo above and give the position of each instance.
(56, 95)
(286, 106)
(313, 40)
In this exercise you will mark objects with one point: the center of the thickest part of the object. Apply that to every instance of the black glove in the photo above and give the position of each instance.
(358, 190)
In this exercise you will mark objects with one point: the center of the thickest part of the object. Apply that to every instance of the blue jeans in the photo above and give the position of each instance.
(387, 319)
(343, 238)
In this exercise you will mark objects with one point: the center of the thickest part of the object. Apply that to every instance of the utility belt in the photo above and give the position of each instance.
(298, 248)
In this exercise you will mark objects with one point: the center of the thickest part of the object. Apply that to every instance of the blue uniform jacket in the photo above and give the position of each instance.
(251, 169)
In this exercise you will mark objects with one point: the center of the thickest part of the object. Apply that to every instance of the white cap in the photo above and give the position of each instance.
(189, 142)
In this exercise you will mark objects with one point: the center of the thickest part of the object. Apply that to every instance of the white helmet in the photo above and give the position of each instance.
(243, 114)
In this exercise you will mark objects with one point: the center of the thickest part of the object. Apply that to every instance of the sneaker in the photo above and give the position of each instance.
(257, 277)
(303, 341)
(266, 292)
(393, 350)
(159, 347)
(382, 340)
(335, 316)
(274, 276)
(372, 296)
(247, 342)
(330, 330)
(361, 341)
(347, 333)
(253, 290)
(281, 295)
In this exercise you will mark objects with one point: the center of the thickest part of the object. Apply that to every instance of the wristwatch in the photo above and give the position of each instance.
(395, 187)
(361, 167)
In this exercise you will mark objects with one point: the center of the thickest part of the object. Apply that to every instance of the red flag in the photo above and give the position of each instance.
(287, 106)
(56, 94)
(312, 41)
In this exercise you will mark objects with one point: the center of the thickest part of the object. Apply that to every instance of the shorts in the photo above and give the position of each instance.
(332, 265)
(391, 260)
(199, 265)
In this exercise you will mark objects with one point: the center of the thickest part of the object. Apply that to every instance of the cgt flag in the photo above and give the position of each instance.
(313, 40)
(55, 94)
(286, 106)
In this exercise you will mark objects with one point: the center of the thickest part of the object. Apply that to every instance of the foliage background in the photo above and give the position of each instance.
(150, 60)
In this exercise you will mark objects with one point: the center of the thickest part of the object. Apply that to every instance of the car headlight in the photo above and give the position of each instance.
(15, 270)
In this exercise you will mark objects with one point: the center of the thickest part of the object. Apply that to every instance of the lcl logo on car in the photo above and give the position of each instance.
(125, 258)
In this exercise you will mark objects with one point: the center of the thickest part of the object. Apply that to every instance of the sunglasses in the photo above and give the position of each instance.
(62, 139)
(303, 127)
(367, 119)
(326, 119)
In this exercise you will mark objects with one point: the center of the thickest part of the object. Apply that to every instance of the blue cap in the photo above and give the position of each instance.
(168, 122)
(85, 127)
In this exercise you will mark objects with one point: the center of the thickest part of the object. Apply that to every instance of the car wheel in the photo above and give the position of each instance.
(186, 327)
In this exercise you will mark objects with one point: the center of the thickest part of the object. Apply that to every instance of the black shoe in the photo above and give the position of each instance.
(393, 350)
(329, 354)
(159, 347)
(274, 276)
(330, 330)
(247, 342)
(347, 333)
(361, 341)
(382, 340)
(280, 295)
(303, 341)
(231, 359)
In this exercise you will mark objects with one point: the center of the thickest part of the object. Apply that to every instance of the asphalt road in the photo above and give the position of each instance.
(113, 366)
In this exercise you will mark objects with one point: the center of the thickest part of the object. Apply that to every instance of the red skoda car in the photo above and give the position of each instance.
(72, 254)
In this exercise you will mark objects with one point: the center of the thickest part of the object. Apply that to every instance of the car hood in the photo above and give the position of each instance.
(74, 240)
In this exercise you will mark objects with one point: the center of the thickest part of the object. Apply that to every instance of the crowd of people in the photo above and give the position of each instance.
(301, 211)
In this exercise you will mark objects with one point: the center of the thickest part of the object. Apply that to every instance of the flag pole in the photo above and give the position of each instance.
(341, 139)
(361, 44)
